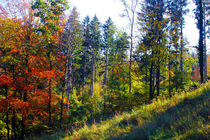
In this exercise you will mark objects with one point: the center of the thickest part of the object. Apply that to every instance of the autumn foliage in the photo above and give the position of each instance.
(25, 73)
(58, 73)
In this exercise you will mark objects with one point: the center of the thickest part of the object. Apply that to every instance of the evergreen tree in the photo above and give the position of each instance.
(151, 19)
(109, 31)
(72, 39)
(86, 50)
(95, 45)
(199, 15)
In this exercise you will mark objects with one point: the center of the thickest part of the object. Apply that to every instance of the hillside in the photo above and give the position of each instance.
(185, 116)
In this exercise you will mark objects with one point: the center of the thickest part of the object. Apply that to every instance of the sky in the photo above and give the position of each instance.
(113, 8)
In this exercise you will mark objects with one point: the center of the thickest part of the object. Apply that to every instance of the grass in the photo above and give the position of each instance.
(184, 116)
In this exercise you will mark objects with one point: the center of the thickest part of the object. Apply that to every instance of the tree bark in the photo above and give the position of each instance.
(106, 74)
(131, 55)
(14, 126)
(158, 78)
(92, 74)
(169, 69)
(181, 57)
(69, 77)
(61, 113)
(151, 84)
(13, 132)
(84, 76)
(146, 75)
(205, 56)
(25, 92)
(201, 40)
(50, 92)
(7, 112)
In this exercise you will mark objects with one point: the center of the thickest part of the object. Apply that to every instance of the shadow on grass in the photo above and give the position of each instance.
(186, 120)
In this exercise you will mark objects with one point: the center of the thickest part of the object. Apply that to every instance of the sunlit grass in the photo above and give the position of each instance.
(184, 116)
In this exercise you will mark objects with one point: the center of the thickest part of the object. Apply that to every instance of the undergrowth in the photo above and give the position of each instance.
(184, 116)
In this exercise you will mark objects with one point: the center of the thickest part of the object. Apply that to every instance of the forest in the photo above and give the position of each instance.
(61, 73)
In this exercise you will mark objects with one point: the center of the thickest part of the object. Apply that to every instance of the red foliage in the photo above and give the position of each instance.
(5, 80)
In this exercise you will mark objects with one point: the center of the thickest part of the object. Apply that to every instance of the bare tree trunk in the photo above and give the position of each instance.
(106, 80)
(181, 57)
(84, 76)
(131, 55)
(69, 78)
(201, 40)
(204, 47)
(13, 132)
(154, 79)
(146, 75)
(14, 125)
(92, 74)
(169, 74)
(158, 78)
(106, 74)
(151, 84)
(7, 112)
(62, 95)
(61, 113)
(130, 13)
(24, 100)
(50, 91)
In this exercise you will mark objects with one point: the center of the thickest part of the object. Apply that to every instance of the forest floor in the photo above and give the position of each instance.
(184, 116)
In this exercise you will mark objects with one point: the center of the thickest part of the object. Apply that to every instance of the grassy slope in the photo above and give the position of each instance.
(185, 116)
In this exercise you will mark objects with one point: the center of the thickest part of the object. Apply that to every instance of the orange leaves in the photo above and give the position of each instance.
(14, 51)
(5, 80)
(28, 67)
(14, 104)
(47, 74)
(42, 73)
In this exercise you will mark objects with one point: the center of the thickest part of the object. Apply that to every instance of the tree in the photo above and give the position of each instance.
(152, 22)
(86, 44)
(18, 25)
(49, 13)
(206, 6)
(95, 46)
(109, 31)
(176, 11)
(199, 16)
(130, 12)
(73, 43)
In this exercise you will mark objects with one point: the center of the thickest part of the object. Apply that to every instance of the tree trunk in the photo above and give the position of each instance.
(92, 74)
(201, 40)
(61, 113)
(69, 78)
(151, 84)
(169, 74)
(84, 76)
(158, 78)
(25, 92)
(7, 112)
(146, 75)
(181, 57)
(14, 125)
(50, 93)
(205, 56)
(130, 66)
(106, 74)
(13, 133)
(106, 80)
